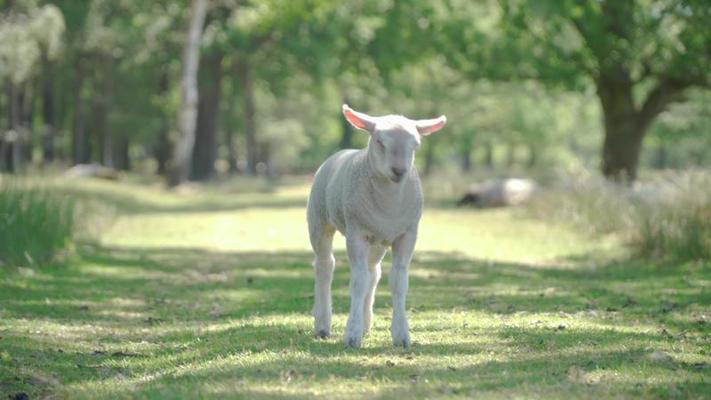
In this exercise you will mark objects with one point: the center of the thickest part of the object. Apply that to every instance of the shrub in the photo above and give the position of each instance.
(669, 216)
(34, 223)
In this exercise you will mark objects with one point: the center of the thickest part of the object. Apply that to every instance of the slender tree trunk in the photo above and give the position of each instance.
(245, 80)
(466, 154)
(231, 152)
(510, 154)
(660, 156)
(162, 149)
(81, 145)
(189, 96)
(346, 129)
(532, 156)
(102, 111)
(48, 110)
(429, 157)
(121, 157)
(205, 150)
(488, 154)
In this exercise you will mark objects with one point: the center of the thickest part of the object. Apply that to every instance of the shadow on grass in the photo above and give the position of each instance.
(160, 321)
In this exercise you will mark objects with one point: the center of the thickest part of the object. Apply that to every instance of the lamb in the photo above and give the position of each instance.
(373, 197)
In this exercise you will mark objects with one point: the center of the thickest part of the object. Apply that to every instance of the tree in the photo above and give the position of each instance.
(640, 55)
(189, 96)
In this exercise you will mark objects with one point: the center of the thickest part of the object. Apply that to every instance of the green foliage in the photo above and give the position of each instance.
(34, 224)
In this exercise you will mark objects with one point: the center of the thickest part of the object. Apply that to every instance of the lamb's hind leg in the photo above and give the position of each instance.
(324, 263)
(374, 259)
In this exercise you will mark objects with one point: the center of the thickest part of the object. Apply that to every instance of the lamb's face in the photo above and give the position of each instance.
(393, 140)
(393, 149)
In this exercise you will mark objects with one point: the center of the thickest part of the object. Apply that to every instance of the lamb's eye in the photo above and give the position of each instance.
(380, 144)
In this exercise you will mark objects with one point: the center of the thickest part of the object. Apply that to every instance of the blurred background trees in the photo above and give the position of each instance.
(528, 86)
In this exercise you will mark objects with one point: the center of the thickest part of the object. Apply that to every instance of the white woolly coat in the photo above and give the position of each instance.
(350, 196)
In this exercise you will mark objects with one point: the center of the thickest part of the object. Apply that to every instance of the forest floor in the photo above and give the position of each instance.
(207, 293)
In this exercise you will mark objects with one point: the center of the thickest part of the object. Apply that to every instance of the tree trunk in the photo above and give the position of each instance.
(488, 154)
(429, 157)
(48, 111)
(623, 136)
(162, 148)
(466, 155)
(189, 96)
(510, 154)
(102, 111)
(532, 156)
(121, 158)
(231, 152)
(620, 151)
(205, 151)
(81, 145)
(346, 129)
(625, 124)
(660, 156)
(162, 151)
(245, 81)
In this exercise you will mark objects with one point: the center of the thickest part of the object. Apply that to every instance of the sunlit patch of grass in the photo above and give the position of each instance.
(204, 301)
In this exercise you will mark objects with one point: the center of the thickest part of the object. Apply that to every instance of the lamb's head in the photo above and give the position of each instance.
(393, 140)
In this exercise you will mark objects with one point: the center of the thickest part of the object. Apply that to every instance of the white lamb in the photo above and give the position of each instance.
(373, 197)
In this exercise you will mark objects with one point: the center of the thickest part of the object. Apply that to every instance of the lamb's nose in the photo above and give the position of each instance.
(398, 172)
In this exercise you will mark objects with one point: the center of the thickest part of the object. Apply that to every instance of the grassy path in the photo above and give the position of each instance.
(208, 294)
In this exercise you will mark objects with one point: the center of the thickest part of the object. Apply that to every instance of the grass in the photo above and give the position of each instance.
(207, 294)
(34, 224)
(668, 216)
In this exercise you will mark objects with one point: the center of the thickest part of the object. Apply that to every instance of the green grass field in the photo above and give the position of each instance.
(207, 294)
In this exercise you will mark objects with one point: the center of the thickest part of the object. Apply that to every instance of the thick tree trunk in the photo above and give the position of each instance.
(623, 133)
(245, 80)
(620, 152)
(205, 151)
(626, 124)
(188, 110)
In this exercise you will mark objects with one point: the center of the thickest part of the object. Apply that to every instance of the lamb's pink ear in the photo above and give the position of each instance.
(429, 126)
(358, 119)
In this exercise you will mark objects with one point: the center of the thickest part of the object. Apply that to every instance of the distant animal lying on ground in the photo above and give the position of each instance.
(92, 170)
(499, 193)
(373, 197)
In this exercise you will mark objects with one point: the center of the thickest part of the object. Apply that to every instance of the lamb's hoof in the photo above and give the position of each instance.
(352, 342)
(322, 334)
(402, 342)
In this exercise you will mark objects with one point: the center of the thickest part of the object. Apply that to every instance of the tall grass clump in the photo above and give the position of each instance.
(665, 217)
(34, 223)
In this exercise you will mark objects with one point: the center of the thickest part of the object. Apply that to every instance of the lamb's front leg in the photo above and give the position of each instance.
(358, 250)
(403, 248)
